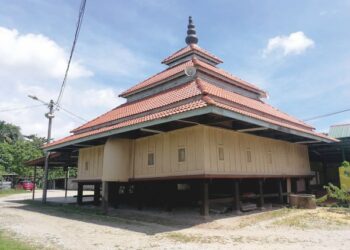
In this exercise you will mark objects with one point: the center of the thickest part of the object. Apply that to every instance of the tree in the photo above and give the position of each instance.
(9, 133)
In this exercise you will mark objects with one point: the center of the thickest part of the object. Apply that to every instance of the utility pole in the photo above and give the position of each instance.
(50, 115)
(51, 105)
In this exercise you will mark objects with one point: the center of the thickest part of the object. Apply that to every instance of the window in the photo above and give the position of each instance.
(181, 155)
(150, 159)
(86, 166)
(249, 156)
(269, 157)
(221, 153)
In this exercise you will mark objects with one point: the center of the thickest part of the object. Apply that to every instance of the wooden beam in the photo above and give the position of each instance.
(205, 199)
(306, 142)
(251, 129)
(151, 130)
(189, 122)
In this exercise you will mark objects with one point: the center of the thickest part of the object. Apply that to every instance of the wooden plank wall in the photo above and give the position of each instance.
(246, 154)
(90, 163)
(165, 148)
(209, 150)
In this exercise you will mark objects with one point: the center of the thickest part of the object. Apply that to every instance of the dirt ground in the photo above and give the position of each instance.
(72, 227)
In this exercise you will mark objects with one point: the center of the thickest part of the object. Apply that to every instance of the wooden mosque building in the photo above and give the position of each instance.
(193, 134)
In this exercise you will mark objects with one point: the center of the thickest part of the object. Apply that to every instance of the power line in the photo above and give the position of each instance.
(72, 114)
(326, 115)
(20, 108)
(77, 31)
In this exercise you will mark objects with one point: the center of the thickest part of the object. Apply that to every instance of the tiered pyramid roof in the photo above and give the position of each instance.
(172, 92)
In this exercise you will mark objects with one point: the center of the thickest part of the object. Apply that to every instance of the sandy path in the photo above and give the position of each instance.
(259, 231)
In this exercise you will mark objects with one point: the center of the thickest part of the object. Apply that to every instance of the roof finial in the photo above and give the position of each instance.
(191, 33)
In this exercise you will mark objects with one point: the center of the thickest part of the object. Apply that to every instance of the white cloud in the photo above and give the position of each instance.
(34, 64)
(35, 54)
(294, 43)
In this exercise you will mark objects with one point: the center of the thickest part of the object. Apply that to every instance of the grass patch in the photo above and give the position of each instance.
(264, 216)
(331, 218)
(7, 192)
(192, 238)
(8, 242)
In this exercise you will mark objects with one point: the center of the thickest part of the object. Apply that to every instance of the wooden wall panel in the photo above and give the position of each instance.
(252, 155)
(165, 147)
(90, 163)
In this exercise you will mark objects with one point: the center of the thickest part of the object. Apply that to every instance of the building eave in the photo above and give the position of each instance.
(184, 115)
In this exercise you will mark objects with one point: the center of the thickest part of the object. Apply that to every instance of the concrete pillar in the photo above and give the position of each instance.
(261, 194)
(105, 196)
(205, 199)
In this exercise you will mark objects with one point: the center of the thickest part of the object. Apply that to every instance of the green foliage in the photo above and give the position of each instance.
(9, 242)
(9, 133)
(341, 195)
(16, 149)
(345, 164)
(322, 199)
(13, 156)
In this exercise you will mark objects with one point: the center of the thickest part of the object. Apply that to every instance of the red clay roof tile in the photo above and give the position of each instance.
(158, 115)
(159, 100)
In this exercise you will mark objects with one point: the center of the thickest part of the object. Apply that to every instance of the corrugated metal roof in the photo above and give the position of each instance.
(339, 131)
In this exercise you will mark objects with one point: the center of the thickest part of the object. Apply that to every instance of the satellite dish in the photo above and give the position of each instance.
(190, 71)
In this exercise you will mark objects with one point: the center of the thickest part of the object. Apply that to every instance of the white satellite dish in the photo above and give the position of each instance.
(190, 71)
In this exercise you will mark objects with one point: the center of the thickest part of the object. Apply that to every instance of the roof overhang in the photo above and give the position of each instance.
(298, 136)
(56, 159)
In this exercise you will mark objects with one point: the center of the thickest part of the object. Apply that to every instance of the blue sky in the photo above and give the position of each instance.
(296, 50)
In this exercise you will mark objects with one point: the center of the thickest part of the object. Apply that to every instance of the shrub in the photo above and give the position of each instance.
(341, 195)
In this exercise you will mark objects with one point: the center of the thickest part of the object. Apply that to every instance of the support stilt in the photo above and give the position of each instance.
(105, 196)
(289, 188)
(280, 191)
(261, 195)
(237, 202)
(97, 193)
(205, 199)
(80, 193)
(34, 182)
(139, 194)
(65, 182)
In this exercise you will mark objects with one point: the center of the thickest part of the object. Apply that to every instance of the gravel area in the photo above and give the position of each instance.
(83, 228)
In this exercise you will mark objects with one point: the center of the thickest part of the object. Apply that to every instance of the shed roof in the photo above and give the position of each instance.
(339, 131)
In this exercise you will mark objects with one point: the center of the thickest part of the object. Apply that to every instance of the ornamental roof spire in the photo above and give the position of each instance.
(191, 32)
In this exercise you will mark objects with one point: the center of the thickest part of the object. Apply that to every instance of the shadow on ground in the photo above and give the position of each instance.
(148, 221)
